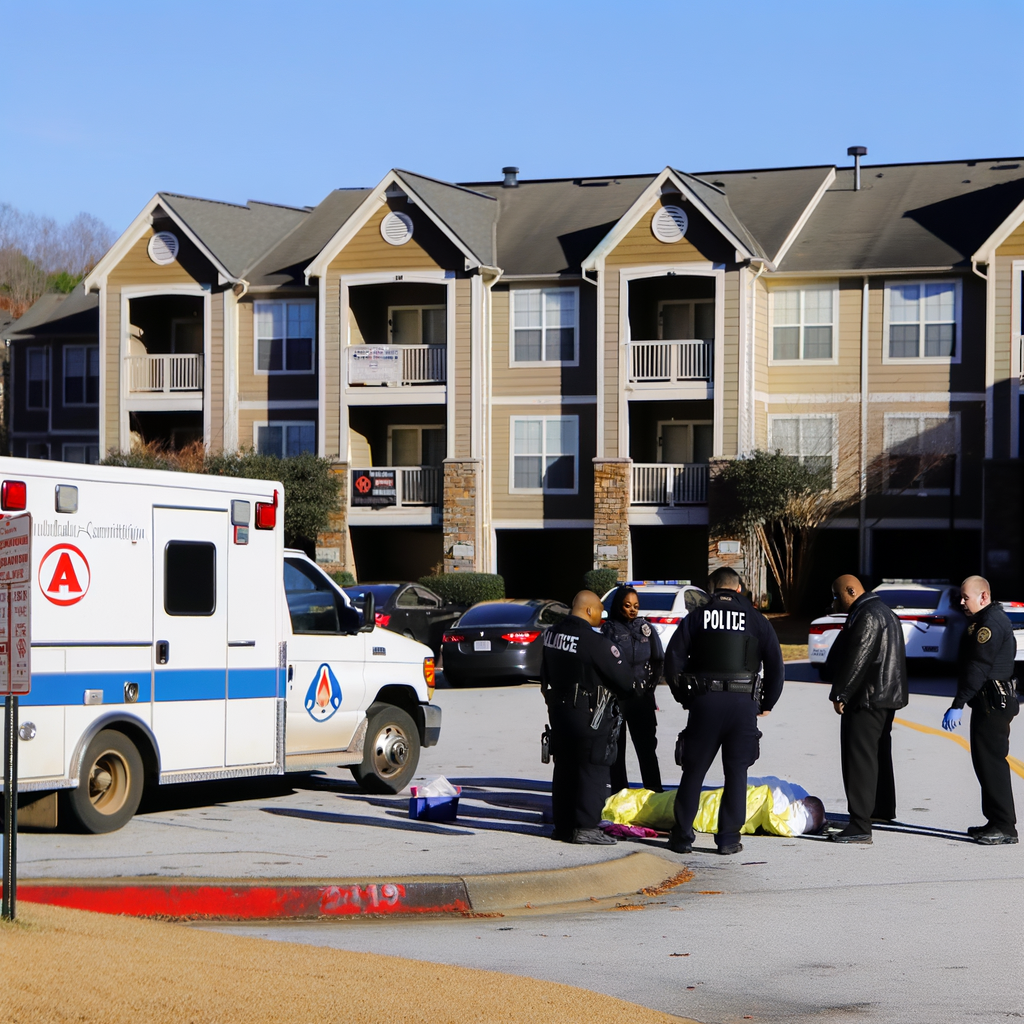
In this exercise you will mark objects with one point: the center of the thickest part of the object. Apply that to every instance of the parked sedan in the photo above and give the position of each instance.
(408, 608)
(498, 641)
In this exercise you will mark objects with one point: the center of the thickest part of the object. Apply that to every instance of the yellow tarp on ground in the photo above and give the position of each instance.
(654, 810)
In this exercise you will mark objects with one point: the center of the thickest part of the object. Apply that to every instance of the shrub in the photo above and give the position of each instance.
(466, 588)
(600, 581)
(343, 578)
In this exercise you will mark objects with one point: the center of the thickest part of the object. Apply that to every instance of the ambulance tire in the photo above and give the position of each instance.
(109, 785)
(391, 752)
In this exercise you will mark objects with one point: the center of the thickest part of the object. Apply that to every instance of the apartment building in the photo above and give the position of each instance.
(533, 376)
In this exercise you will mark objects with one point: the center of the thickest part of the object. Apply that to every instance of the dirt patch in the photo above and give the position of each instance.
(65, 965)
(790, 629)
(794, 652)
(681, 878)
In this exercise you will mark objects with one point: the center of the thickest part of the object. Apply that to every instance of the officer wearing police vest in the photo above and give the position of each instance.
(581, 675)
(713, 666)
(987, 686)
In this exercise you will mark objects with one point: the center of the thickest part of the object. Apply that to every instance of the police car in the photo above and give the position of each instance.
(664, 603)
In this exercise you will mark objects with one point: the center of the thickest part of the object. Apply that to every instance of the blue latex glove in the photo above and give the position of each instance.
(951, 719)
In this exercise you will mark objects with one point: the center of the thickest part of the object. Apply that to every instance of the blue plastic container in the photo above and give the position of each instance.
(433, 808)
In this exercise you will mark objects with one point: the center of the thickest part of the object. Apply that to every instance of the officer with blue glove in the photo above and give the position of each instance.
(987, 686)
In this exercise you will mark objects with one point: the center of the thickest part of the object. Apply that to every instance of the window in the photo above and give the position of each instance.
(417, 325)
(38, 378)
(81, 375)
(284, 336)
(544, 325)
(922, 320)
(810, 439)
(416, 446)
(686, 320)
(921, 452)
(190, 577)
(89, 454)
(285, 438)
(313, 604)
(415, 597)
(804, 323)
(544, 454)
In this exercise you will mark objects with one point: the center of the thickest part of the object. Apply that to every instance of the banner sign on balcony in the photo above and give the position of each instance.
(374, 364)
(375, 487)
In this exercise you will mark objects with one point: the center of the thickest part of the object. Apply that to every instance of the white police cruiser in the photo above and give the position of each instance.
(664, 603)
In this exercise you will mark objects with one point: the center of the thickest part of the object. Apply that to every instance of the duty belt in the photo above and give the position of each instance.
(734, 684)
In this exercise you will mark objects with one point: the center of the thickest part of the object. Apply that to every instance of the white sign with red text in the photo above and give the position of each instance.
(15, 604)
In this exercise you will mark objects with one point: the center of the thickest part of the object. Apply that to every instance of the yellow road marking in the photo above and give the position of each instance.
(1016, 765)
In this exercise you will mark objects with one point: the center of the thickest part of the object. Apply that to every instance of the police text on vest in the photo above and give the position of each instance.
(718, 618)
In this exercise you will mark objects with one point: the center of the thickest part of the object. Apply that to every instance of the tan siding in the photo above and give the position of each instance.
(246, 419)
(251, 387)
(1014, 245)
(505, 505)
(215, 354)
(639, 246)
(728, 388)
(1002, 275)
(459, 376)
(521, 380)
(136, 268)
(112, 374)
(762, 343)
(332, 342)
(612, 346)
(368, 251)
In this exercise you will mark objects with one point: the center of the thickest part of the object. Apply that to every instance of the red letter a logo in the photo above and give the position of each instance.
(64, 576)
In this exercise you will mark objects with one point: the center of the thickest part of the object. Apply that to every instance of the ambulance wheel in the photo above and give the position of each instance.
(109, 784)
(391, 752)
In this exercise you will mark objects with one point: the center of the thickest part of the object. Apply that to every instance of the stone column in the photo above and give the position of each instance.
(334, 545)
(611, 514)
(460, 529)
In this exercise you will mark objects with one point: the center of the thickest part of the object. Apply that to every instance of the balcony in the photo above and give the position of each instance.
(397, 365)
(669, 362)
(165, 381)
(409, 495)
(669, 485)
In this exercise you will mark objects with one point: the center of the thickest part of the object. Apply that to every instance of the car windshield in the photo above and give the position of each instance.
(649, 601)
(499, 615)
(928, 599)
(381, 592)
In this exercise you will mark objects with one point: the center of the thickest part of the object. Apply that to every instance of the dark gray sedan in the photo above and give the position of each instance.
(498, 641)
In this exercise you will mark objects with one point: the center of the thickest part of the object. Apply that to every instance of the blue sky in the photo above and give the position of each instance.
(109, 102)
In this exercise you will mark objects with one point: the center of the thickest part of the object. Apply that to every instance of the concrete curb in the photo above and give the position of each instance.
(300, 899)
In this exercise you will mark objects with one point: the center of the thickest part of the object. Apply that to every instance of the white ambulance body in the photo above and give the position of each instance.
(174, 639)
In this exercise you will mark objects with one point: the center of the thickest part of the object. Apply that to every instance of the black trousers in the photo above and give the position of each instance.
(581, 780)
(865, 744)
(641, 720)
(990, 743)
(726, 721)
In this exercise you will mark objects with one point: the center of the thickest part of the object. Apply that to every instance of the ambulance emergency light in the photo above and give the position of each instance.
(266, 514)
(13, 497)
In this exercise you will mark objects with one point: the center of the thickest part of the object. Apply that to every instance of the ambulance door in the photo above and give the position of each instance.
(190, 633)
(325, 663)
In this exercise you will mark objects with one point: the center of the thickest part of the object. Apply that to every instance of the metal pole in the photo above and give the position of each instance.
(10, 864)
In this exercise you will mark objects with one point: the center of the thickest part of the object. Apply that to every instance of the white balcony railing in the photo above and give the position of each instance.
(669, 361)
(670, 484)
(397, 365)
(416, 486)
(165, 373)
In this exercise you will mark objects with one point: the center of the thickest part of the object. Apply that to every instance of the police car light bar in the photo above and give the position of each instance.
(656, 583)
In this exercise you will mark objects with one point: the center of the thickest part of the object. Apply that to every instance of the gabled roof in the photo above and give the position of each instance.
(56, 314)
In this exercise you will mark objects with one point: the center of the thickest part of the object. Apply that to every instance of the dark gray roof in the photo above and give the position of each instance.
(55, 314)
(470, 214)
(715, 199)
(237, 235)
(908, 215)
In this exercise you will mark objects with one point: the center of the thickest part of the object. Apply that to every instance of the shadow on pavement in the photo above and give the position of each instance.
(531, 785)
(926, 678)
(185, 795)
(408, 825)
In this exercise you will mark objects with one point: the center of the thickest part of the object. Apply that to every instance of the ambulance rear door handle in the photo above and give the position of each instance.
(163, 652)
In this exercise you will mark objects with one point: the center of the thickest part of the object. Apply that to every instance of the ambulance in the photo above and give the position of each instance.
(175, 639)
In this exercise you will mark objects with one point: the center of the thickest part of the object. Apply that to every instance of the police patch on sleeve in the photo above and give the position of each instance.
(645, 629)
(615, 651)
(984, 635)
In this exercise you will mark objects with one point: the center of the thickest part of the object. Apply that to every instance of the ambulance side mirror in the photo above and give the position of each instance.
(369, 613)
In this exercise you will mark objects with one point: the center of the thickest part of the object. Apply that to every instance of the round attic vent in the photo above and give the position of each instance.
(396, 228)
(163, 248)
(669, 224)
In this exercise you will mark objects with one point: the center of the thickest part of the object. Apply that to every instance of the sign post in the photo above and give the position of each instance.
(15, 678)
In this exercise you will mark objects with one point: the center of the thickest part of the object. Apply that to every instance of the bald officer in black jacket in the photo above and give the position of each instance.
(581, 674)
(712, 666)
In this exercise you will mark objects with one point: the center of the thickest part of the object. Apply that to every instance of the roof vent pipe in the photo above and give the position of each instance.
(856, 152)
(511, 177)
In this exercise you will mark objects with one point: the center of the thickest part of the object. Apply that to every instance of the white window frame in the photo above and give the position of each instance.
(86, 446)
(420, 427)
(85, 380)
(923, 360)
(512, 489)
(284, 424)
(420, 309)
(284, 355)
(512, 361)
(47, 381)
(890, 417)
(800, 359)
(831, 416)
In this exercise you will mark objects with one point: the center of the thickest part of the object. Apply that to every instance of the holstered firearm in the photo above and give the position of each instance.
(758, 691)
(603, 697)
(999, 694)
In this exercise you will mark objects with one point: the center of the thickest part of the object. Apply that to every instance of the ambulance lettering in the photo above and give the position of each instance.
(64, 575)
(323, 697)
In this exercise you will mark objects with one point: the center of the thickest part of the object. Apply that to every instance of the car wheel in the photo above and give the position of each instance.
(109, 783)
(409, 633)
(391, 752)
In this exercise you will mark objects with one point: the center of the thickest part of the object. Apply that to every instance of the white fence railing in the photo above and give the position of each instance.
(669, 361)
(397, 364)
(416, 485)
(165, 373)
(670, 484)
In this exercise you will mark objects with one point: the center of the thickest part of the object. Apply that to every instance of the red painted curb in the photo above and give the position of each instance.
(240, 902)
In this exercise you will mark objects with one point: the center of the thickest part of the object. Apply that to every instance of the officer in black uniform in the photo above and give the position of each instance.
(712, 666)
(986, 685)
(581, 675)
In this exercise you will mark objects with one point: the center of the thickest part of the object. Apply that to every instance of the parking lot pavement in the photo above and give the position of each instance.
(321, 826)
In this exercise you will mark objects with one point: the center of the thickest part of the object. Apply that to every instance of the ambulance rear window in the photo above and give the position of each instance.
(190, 578)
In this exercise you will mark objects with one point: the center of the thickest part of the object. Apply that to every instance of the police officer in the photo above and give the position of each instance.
(712, 665)
(581, 675)
(986, 685)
